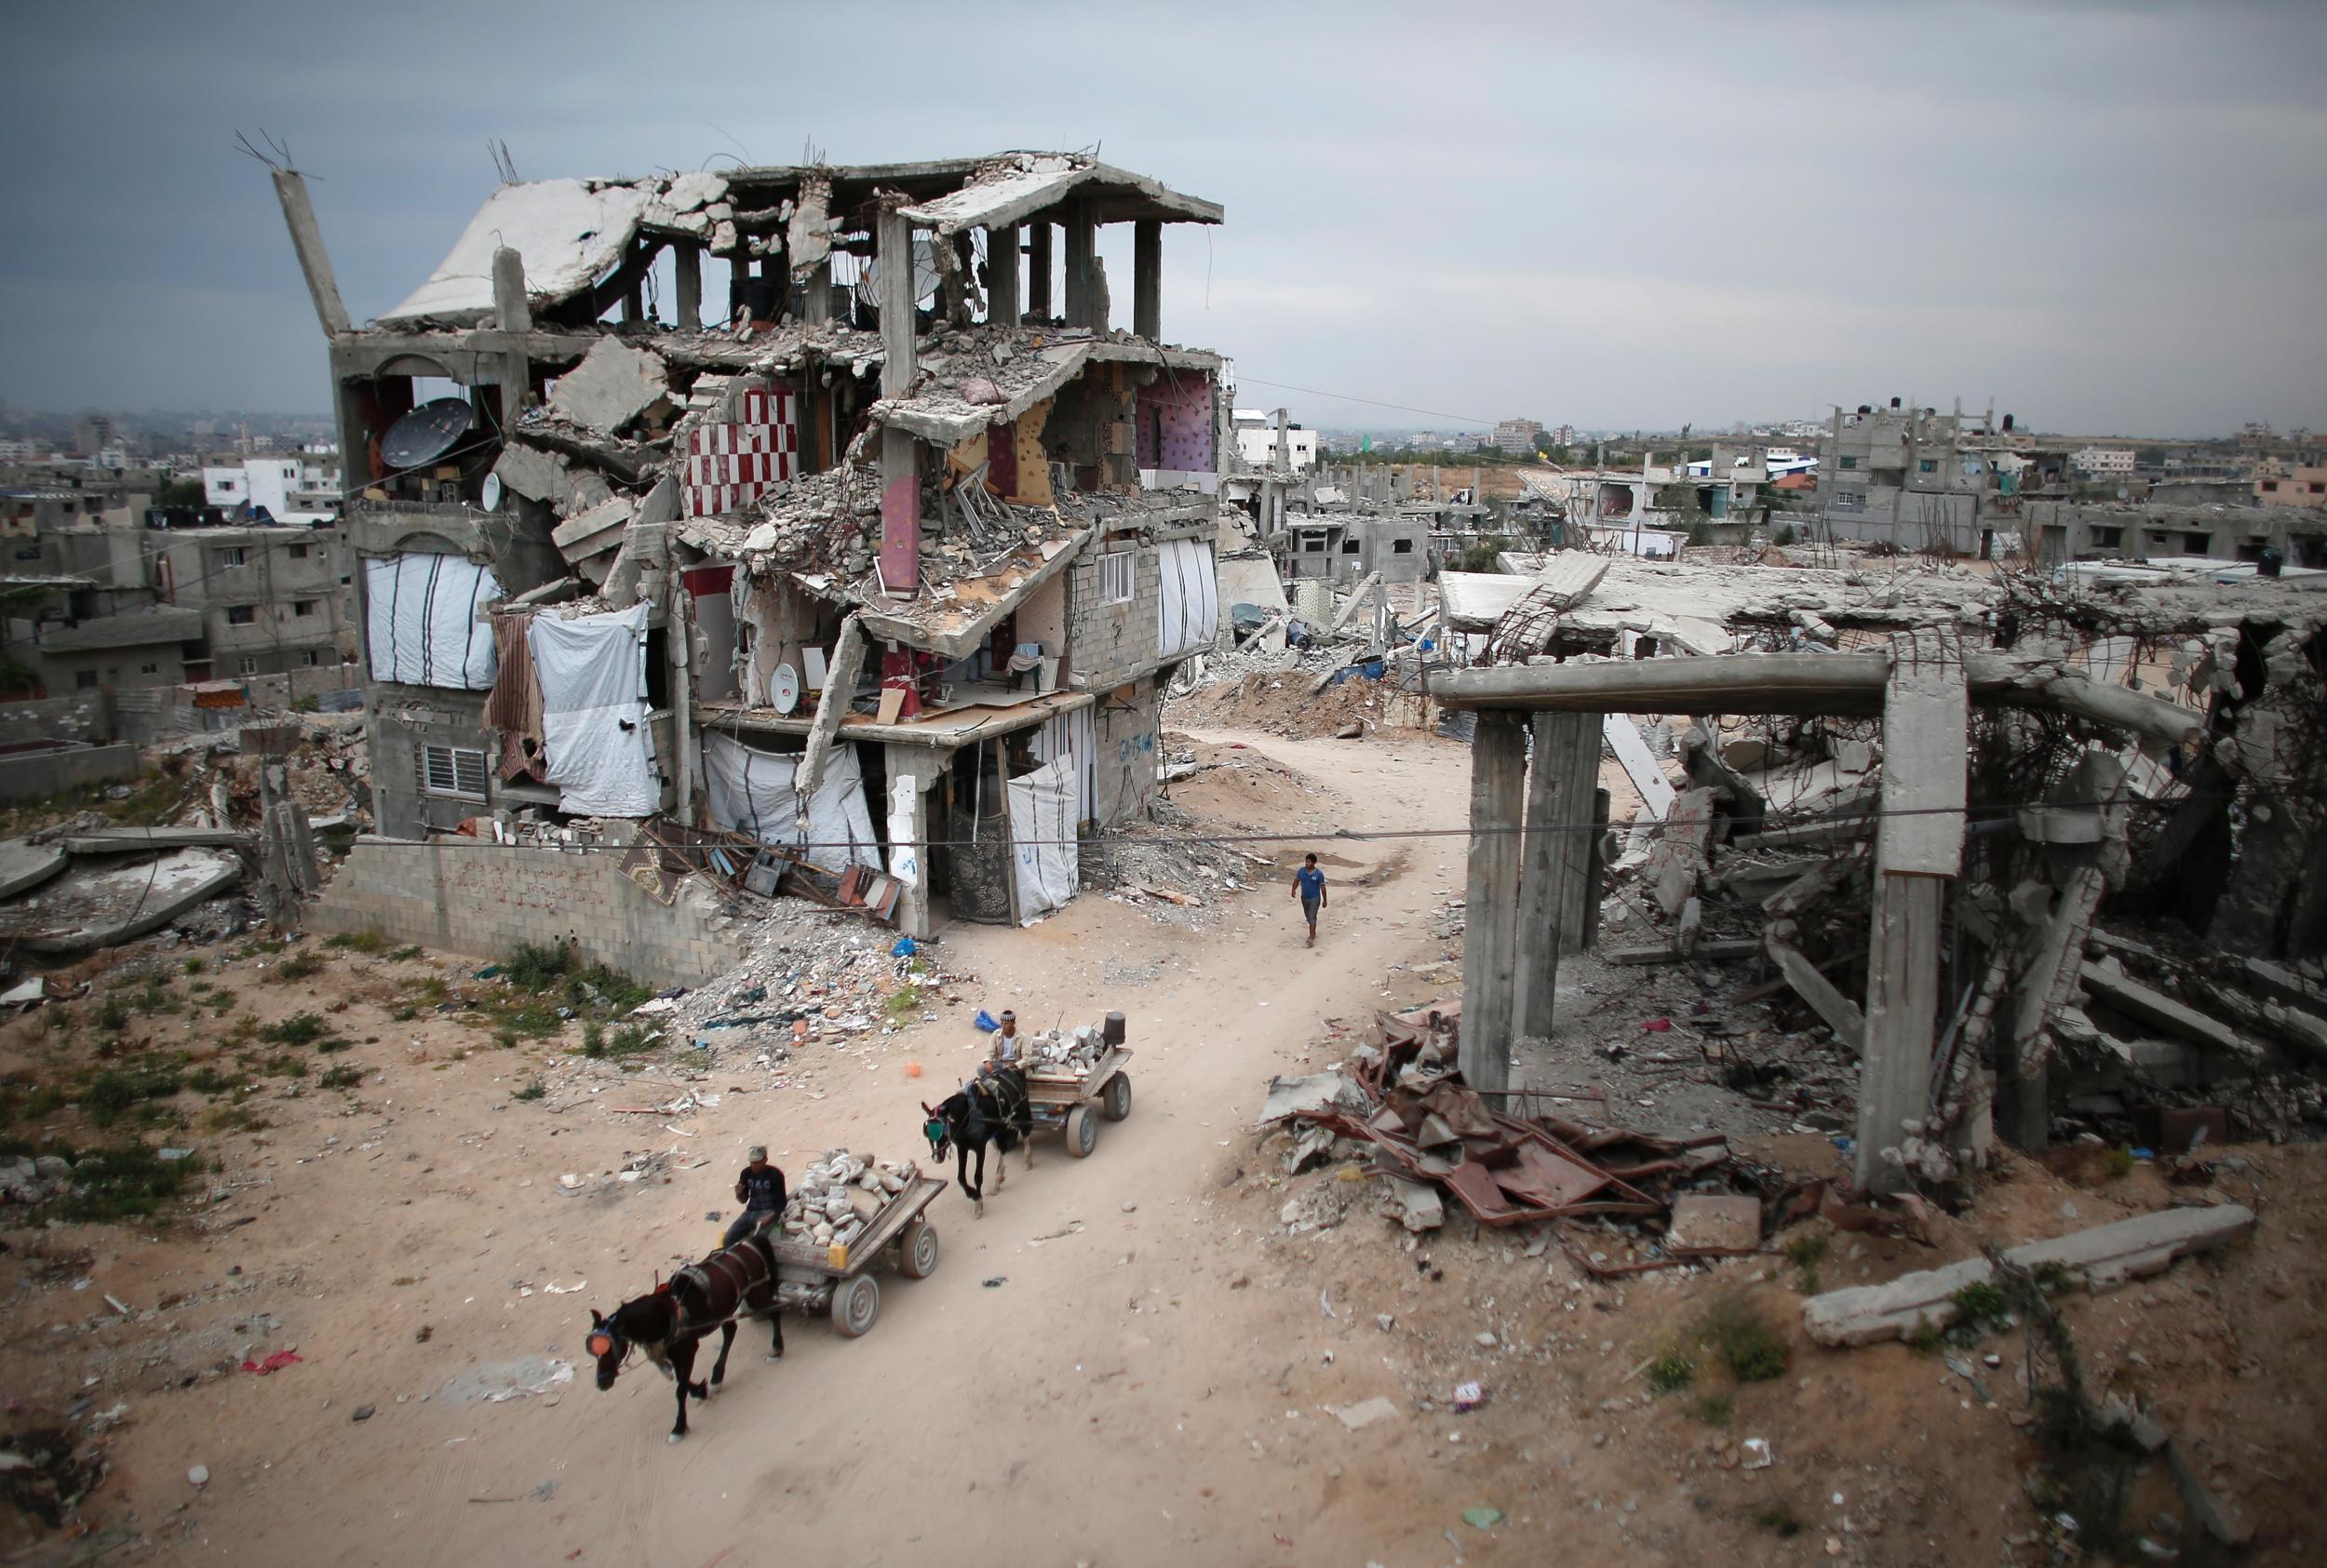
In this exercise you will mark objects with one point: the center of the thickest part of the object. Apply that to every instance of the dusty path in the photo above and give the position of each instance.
(1113, 1401)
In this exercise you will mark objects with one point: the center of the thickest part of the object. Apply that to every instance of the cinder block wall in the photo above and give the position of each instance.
(486, 899)
(1107, 643)
(40, 773)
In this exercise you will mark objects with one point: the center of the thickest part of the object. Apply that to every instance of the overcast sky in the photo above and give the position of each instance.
(2106, 218)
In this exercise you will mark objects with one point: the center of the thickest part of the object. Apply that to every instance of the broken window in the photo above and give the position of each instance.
(458, 772)
(1116, 577)
(299, 552)
(1313, 543)
(242, 614)
(233, 554)
(85, 680)
(2108, 539)
(311, 658)
(303, 606)
(1850, 463)
(1402, 547)
(1348, 547)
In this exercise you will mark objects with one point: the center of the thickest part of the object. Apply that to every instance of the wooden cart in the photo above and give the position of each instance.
(1075, 1101)
(808, 1280)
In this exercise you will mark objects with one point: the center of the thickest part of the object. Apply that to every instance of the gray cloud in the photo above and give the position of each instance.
(2106, 217)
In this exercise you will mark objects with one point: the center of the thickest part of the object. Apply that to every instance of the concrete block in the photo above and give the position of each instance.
(2104, 1256)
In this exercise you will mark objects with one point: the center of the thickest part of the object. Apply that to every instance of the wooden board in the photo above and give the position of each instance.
(1054, 1088)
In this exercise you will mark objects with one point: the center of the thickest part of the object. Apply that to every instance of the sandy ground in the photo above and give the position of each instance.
(1107, 1401)
(1151, 1375)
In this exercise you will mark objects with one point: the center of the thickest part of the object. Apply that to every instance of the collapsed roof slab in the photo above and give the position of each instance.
(1018, 185)
(1804, 684)
(568, 232)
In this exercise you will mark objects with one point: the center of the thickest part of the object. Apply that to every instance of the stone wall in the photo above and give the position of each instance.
(486, 899)
(1108, 644)
(86, 717)
(1126, 731)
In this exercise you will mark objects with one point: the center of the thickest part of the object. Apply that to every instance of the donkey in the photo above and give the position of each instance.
(992, 1107)
(669, 1323)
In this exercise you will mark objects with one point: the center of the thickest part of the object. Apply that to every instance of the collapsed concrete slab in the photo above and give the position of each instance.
(2103, 1257)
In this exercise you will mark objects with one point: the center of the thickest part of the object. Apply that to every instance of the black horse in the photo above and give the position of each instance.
(669, 1324)
(992, 1107)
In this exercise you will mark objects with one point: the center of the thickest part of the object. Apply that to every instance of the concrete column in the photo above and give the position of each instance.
(1039, 269)
(1579, 877)
(1902, 1020)
(1002, 275)
(1081, 251)
(922, 765)
(512, 313)
(1498, 777)
(1147, 279)
(1557, 821)
(896, 253)
(290, 190)
(816, 292)
(687, 260)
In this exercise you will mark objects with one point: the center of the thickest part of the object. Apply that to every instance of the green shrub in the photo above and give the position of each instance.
(207, 1080)
(1743, 1340)
(299, 966)
(1982, 1302)
(534, 1090)
(537, 966)
(343, 1076)
(2118, 1162)
(365, 941)
(125, 1182)
(1716, 1410)
(300, 1028)
(1672, 1370)
(109, 1096)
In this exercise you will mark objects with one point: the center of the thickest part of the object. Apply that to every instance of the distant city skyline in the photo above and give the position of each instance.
(2107, 216)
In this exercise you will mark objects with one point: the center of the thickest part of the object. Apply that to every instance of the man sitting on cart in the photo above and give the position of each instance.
(760, 1190)
(1008, 1048)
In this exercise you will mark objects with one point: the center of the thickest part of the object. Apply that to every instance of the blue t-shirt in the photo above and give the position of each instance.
(1313, 883)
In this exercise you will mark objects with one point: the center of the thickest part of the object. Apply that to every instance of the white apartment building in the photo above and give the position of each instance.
(1256, 441)
(2104, 462)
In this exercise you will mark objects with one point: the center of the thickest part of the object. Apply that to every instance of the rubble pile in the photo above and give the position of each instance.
(1153, 863)
(841, 1193)
(1077, 1049)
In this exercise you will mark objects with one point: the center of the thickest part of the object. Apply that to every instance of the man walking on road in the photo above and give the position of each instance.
(760, 1190)
(1309, 886)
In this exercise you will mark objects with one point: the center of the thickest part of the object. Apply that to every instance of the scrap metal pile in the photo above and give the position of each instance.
(1403, 1100)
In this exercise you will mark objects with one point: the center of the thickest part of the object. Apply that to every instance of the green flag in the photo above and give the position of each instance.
(1366, 443)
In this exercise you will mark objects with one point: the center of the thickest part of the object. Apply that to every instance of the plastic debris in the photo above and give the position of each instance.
(1482, 1519)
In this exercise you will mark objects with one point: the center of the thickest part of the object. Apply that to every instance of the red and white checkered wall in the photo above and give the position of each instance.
(729, 465)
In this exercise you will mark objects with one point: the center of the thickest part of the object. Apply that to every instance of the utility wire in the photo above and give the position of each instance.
(1370, 402)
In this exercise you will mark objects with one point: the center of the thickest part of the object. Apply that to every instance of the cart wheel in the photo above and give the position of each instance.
(1115, 1100)
(1083, 1131)
(917, 1251)
(856, 1303)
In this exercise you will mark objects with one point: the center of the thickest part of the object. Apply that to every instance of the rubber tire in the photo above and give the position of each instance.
(1115, 1099)
(855, 1307)
(917, 1251)
(1083, 1131)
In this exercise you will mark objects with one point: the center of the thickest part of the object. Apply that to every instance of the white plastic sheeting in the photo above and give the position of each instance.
(1188, 610)
(904, 850)
(1074, 736)
(1042, 837)
(597, 743)
(751, 792)
(421, 621)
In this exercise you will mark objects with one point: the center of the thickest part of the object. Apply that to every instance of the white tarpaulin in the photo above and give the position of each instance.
(1072, 735)
(1043, 835)
(421, 623)
(597, 744)
(1188, 610)
(751, 792)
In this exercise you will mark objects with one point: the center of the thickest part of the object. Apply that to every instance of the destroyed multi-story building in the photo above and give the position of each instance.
(1916, 478)
(894, 547)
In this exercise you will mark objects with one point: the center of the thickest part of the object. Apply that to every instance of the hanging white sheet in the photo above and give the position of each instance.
(597, 743)
(750, 791)
(1076, 735)
(1187, 609)
(1042, 837)
(904, 850)
(421, 622)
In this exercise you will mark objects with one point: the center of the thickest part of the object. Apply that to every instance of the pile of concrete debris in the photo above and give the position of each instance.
(841, 1194)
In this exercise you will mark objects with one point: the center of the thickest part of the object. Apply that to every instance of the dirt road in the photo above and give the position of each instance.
(1111, 1396)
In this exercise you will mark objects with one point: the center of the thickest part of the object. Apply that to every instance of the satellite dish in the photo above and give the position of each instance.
(493, 492)
(426, 434)
(786, 689)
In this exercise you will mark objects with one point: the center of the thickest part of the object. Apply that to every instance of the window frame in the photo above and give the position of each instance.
(445, 782)
(231, 556)
(1123, 564)
(247, 613)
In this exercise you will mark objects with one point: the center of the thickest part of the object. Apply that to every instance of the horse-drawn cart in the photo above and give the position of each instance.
(1075, 1099)
(838, 1282)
